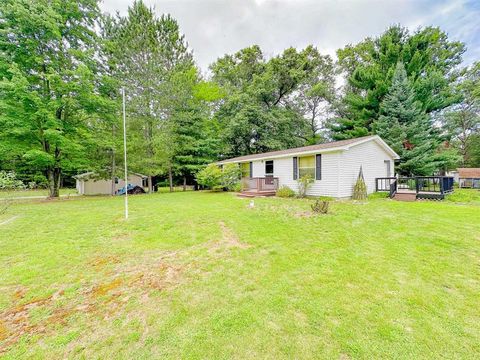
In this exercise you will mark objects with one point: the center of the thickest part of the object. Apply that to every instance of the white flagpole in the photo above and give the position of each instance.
(125, 154)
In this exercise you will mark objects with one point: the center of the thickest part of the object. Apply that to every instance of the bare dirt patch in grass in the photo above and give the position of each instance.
(229, 238)
(102, 261)
(103, 299)
(106, 296)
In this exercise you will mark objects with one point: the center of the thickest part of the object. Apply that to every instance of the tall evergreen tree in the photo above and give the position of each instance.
(430, 59)
(405, 126)
(148, 50)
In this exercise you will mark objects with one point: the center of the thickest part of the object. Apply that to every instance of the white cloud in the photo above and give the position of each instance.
(216, 27)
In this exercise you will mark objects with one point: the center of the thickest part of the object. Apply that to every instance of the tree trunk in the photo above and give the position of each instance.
(170, 178)
(150, 184)
(184, 183)
(54, 182)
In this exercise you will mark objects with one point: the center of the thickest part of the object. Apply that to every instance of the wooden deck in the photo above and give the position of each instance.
(254, 193)
(416, 188)
(259, 186)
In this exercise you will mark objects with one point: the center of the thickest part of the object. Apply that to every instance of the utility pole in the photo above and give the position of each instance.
(125, 154)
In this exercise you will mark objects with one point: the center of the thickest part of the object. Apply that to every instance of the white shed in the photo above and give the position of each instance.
(334, 166)
(90, 184)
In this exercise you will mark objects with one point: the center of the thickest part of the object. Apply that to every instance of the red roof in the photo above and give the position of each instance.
(469, 172)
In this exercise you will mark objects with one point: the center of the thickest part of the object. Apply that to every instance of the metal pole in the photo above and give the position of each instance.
(125, 154)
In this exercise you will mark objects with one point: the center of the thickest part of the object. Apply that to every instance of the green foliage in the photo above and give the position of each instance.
(231, 175)
(461, 121)
(304, 183)
(464, 196)
(378, 195)
(320, 206)
(210, 177)
(409, 131)
(49, 71)
(430, 60)
(285, 192)
(9, 181)
(268, 102)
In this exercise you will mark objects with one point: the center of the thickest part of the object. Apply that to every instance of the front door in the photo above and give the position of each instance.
(269, 172)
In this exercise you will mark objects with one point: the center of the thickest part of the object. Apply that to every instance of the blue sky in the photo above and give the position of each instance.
(216, 27)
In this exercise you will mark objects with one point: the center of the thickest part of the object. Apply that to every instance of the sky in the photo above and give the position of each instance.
(217, 27)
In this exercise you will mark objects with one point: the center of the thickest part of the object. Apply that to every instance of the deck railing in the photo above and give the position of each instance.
(418, 184)
(383, 184)
(268, 183)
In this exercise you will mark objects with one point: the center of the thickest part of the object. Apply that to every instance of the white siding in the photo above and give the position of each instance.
(104, 187)
(371, 157)
(283, 169)
(339, 170)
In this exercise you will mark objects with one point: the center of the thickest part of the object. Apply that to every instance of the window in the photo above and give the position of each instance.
(245, 167)
(269, 167)
(306, 166)
(318, 167)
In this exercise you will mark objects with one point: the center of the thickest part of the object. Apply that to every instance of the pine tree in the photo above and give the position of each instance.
(407, 128)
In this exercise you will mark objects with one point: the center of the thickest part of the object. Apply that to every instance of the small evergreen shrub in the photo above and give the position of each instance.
(285, 192)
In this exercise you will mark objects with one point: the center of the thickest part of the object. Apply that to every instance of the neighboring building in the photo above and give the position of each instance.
(89, 183)
(469, 178)
(334, 166)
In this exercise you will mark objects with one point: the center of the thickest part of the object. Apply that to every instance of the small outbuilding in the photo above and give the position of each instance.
(469, 178)
(90, 183)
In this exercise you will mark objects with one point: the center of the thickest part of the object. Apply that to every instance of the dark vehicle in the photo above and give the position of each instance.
(132, 189)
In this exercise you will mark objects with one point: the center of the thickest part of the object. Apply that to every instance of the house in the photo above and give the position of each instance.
(469, 178)
(334, 166)
(90, 184)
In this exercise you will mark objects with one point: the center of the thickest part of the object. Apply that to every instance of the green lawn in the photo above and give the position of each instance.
(33, 192)
(201, 275)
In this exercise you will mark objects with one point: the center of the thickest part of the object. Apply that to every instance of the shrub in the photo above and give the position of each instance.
(360, 188)
(304, 184)
(210, 177)
(320, 206)
(237, 187)
(9, 181)
(285, 192)
(40, 181)
(231, 177)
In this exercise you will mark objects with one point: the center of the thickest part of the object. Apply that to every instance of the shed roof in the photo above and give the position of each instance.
(469, 172)
(330, 146)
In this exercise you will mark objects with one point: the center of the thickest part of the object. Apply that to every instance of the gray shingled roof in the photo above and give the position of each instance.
(317, 147)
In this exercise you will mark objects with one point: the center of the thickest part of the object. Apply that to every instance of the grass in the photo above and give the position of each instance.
(202, 275)
(33, 192)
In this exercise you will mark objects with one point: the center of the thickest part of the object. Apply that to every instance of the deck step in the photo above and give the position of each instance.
(405, 196)
(250, 194)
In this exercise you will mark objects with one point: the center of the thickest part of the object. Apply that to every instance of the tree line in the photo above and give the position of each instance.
(63, 63)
